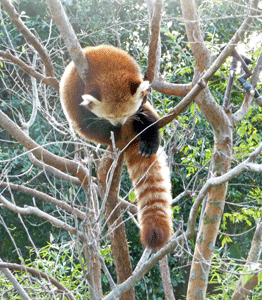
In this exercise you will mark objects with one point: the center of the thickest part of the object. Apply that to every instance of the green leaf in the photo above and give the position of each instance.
(259, 277)
(132, 196)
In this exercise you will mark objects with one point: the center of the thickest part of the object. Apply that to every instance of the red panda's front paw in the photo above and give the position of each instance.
(146, 149)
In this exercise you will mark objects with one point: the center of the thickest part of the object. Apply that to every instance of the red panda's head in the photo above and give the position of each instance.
(116, 104)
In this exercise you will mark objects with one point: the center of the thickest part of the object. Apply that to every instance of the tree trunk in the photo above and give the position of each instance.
(115, 224)
(209, 227)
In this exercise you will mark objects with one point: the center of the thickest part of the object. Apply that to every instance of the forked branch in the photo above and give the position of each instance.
(51, 81)
(47, 157)
(40, 274)
(29, 36)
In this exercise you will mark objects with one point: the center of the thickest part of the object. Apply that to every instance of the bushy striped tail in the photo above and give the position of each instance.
(151, 181)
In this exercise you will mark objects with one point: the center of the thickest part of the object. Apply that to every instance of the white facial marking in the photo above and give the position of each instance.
(89, 99)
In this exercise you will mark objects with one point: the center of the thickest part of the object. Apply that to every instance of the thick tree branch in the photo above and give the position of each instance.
(202, 83)
(140, 272)
(194, 35)
(114, 219)
(205, 243)
(179, 90)
(14, 16)
(47, 157)
(40, 274)
(183, 104)
(154, 41)
(69, 38)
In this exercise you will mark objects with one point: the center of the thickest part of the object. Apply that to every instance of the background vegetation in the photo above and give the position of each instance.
(188, 141)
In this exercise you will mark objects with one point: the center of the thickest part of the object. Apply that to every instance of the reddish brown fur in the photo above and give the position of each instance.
(150, 176)
(101, 60)
(153, 196)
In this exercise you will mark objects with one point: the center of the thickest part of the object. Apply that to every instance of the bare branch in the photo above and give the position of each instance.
(15, 283)
(179, 90)
(233, 42)
(51, 81)
(69, 37)
(257, 71)
(45, 197)
(115, 222)
(54, 171)
(40, 274)
(244, 109)
(194, 35)
(166, 280)
(58, 162)
(14, 16)
(183, 104)
(246, 165)
(132, 208)
(154, 41)
(241, 291)
(217, 114)
(140, 272)
(36, 211)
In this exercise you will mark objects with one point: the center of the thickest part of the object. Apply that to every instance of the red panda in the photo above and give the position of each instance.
(114, 100)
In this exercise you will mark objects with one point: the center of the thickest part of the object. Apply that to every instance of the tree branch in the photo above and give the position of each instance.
(15, 283)
(140, 272)
(154, 41)
(166, 280)
(40, 274)
(253, 257)
(69, 38)
(61, 204)
(47, 157)
(244, 109)
(51, 81)
(14, 16)
(36, 211)
(194, 35)
(114, 219)
(179, 90)
(246, 165)
(183, 104)
(53, 171)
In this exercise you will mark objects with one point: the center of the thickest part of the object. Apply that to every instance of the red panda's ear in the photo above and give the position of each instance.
(139, 88)
(133, 87)
(89, 101)
(144, 87)
(95, 92)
